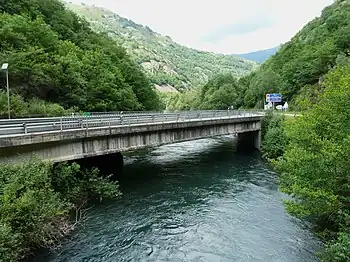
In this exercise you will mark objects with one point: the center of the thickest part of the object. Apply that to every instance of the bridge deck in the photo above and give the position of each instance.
(77, 137)
(20, 127)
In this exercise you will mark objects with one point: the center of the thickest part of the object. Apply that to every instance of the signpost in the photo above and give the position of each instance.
(273, 98)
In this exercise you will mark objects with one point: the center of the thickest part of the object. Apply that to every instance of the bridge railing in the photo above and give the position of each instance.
(94, 120)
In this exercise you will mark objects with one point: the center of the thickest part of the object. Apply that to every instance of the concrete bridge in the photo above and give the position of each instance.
(80, 137)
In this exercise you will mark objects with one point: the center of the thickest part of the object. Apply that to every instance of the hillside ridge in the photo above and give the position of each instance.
(259, 56)
(163, 60)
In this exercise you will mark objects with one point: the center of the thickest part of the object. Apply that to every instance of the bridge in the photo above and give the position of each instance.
(83, 136)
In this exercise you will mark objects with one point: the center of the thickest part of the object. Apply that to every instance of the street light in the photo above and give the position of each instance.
(5, 68)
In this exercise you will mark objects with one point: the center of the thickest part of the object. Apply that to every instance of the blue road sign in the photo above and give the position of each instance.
(273, 98)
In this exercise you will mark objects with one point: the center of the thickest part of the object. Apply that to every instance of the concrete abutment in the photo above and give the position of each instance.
(249, 140)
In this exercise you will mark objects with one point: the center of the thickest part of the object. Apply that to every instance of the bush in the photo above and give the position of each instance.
(338, 250)
(39, 107)
(35, 107)
(35, 200)
(274, 137)
(18, 105)
(27, 202)
(75, 184)
(265, 123)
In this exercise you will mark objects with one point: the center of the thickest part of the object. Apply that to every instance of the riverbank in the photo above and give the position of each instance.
(37, 199)
(311, 154)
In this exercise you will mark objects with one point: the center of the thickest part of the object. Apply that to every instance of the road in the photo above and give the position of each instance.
(10, 127)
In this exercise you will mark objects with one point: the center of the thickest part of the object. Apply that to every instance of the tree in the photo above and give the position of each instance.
(55, 57)
(315, 166)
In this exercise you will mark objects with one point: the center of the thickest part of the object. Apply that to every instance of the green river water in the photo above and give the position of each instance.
(192, 201)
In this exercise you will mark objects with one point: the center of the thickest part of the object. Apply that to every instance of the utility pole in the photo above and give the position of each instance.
(8, 94)
(5, 68)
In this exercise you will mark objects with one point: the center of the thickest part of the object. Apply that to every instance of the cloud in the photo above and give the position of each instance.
(224, 26)
(239, 28)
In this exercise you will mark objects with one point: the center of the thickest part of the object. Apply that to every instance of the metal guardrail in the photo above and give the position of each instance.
(95, 120)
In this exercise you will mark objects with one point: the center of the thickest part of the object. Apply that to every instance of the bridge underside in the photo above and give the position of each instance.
(81, 144)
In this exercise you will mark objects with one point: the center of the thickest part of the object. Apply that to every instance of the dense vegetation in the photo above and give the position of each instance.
(312, 154)
(54, 56)
(220, 92)
(165, 61)
(274, 139)
(36, 199)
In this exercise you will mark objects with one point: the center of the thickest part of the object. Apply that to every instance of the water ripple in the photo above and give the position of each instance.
(193, 201)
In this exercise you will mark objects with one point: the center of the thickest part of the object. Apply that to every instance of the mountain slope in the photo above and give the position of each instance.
(297, 69)
(259, 56)
(165, 61)
(54, 56)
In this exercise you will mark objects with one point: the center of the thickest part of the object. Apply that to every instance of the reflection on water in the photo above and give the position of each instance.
(193, 201)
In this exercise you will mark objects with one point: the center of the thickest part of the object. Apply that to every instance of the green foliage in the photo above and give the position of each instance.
(265, 123)
(54, 56)
(34, 107)
(35, 199)
(315, 166)
(37, 107)
(74, 184)
(182, 101)
(307, 96)
(274, 140)
(221, 92)
(339, 250)
(18, 105)
(27, 201)
(164, 61)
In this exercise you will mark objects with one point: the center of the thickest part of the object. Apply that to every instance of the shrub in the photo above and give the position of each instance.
(35, 200)
(275, 140)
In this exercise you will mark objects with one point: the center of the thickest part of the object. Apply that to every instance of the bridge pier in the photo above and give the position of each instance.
(249, 140)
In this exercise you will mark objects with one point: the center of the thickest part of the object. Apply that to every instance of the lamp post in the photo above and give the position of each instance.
(5, 68)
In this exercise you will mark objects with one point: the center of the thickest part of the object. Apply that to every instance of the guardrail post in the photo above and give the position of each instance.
(61, 124)
(25, 128)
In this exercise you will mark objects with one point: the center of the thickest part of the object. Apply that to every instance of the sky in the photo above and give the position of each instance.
(221, 26)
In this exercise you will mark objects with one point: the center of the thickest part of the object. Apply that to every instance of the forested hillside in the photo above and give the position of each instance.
(55, 57)
(297, 70)
(164, 61)
(298, 67)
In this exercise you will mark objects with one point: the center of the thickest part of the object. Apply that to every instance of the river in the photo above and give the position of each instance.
(192, 201)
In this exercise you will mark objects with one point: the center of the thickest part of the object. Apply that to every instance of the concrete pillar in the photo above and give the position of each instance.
(257, 140)
(249, 141)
